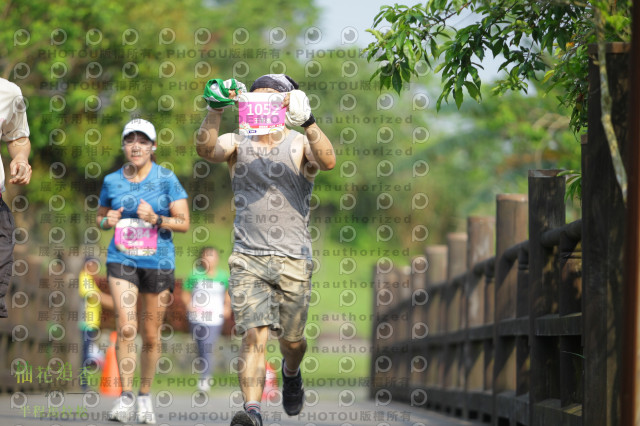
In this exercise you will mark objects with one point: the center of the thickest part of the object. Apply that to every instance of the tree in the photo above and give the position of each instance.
(532, 37)
(86, 68)
(488, 149)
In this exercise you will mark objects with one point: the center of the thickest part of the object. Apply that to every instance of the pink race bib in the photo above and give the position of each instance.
(261, 113)
(136, 237)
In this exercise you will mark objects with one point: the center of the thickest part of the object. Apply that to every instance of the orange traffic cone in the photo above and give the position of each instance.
(110, 380)
(270, 391)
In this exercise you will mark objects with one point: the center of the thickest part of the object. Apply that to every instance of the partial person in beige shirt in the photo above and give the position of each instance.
(14, 130)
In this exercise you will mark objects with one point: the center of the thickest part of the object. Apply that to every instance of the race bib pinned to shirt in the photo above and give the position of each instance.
(135, 237)
(261, 113)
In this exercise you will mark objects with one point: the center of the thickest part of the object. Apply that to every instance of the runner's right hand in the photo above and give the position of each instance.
(221, 94)
(113, 216)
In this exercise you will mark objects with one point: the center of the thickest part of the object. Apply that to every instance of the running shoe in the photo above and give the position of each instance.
(292, 394)
(145, 410)
(247, 418)
(123, 409)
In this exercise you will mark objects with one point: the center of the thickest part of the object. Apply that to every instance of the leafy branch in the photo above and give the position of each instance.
(544, 39)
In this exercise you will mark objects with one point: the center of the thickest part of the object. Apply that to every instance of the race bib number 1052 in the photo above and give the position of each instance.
(260, 113)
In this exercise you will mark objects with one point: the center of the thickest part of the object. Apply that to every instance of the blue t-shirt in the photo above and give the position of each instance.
(160, 188)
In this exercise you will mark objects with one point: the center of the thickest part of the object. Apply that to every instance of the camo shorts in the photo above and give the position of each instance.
(270, 291)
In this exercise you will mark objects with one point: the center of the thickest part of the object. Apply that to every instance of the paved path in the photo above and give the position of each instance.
(183, 409)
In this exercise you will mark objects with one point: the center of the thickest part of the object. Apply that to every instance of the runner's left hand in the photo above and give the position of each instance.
(145, 212)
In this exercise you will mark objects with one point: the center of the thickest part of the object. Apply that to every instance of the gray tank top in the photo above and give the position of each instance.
(271, 198)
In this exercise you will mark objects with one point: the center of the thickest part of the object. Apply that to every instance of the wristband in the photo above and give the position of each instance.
(309, 122)
(102, 223)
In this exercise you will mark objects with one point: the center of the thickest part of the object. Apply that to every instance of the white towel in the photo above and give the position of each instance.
(299, 110)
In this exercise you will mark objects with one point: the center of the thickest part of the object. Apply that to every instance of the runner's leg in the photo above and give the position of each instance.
(209, 349)
(154, 307)
(253, 374)
(125, 296)
(293, 352)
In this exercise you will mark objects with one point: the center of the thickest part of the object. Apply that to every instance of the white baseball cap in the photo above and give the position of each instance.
(140, 125)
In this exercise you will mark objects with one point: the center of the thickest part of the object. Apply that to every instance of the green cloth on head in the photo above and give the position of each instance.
(216, 92)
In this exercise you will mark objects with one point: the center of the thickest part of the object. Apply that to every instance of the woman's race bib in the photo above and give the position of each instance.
(136, 237)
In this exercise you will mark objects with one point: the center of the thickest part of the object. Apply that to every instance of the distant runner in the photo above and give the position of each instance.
(145, 203)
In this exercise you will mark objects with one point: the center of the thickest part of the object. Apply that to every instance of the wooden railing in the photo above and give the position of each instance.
(465, 329)
(513, 331)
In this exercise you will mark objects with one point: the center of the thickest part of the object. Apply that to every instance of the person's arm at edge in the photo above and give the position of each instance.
(318, 148)
(19, 150)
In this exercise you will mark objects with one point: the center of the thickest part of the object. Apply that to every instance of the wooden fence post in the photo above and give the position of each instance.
(603, 233)
(489, 346)
(402, 326)
(379, 284)
(570, 304)
(630, 389)
(456, 266)
(436, 274)
(511, 228)
(546, 212)
(480, 246)
(453, 309)
(523, 364)
(419, 328)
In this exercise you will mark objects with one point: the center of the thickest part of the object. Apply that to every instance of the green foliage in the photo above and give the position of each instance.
(85, 145)
(574, 184)
(530, 37)
(369, 137)
(86, 68)
(487, 149)
(459, 162)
